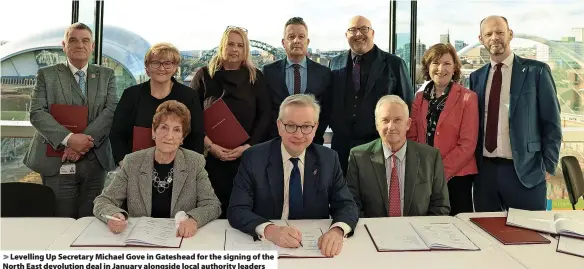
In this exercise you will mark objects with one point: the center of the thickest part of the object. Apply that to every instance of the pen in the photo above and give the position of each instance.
(110, 217)
(288, 224)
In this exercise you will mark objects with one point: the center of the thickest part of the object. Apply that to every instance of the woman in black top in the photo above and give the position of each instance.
(232, 76)
(139, 102)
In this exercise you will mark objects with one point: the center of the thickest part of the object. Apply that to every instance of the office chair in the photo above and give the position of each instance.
(27, 200)
(574, 179)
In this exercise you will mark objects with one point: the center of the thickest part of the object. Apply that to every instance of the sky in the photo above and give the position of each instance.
(196, 24)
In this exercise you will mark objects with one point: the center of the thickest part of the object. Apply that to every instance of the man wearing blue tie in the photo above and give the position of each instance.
(292, 178)
(519, 131)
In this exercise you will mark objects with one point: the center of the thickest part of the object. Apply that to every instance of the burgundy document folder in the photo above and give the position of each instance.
(74, 118)
(142, 138)
(222, 127)
(508, 235)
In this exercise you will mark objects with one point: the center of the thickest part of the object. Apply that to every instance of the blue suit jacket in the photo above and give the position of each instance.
(318, 83)
(534, 119)
(258, 188)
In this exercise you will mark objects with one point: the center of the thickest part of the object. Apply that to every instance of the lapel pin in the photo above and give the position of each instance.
(523, 69)
(92, 75)
(315, 171)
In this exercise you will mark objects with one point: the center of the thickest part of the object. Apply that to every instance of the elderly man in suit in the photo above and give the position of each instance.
(292, 178)
(519, 125)
(393, 177)
(298, 74)
(361, 76)
(78, 176)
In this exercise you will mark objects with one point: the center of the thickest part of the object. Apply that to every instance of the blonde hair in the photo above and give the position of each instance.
(216, 62)
(300, 100)
(163, 50)
(391, 99)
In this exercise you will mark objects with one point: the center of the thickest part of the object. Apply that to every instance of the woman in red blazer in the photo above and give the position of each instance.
(445, 115)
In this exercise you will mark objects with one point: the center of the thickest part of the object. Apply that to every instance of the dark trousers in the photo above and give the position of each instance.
(343, 146)
(75, 193)
(498, 188)
(221, 175)
(460, 194)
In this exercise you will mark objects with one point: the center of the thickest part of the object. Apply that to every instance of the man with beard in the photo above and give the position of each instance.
(298, 74)
(361, 76)
(519, 131)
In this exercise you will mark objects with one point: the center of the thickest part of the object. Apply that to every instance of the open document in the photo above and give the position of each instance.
(418, 237)
(571, 245)
(141, 232)
(542, 221)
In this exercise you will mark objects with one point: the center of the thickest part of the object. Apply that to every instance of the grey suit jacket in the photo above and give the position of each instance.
(191, 191)
(57, 85)
(425, 190)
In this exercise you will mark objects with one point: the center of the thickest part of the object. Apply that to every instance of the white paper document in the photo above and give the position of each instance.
(236, 240)
(571, 245)
(543, 221)
(143, 231)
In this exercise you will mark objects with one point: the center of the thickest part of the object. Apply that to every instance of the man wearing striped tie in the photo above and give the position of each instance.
(76, 177)
(393, 177)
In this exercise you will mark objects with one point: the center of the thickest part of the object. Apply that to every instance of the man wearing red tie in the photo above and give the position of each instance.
(393, 177)
(519, 125)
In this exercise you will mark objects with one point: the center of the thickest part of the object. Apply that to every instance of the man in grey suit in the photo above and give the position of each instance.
(78, 176)
(393, 177)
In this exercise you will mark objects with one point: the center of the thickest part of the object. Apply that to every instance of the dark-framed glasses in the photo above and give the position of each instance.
(363, 29)
(165, 64)
(292, 128)
(230, 27)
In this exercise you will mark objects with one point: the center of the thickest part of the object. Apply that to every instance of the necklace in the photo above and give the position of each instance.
(160, 184)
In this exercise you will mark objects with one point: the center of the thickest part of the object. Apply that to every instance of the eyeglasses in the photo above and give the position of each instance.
(363, 30)
(166, 64)
(231, 27)
(292, 128)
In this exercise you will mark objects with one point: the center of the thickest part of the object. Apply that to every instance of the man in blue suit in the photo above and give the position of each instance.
(292, 178)
(520, 133)
(361, 76)
(298, 74)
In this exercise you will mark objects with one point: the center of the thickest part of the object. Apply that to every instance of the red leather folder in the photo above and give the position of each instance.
(508, 235)
(222, 127)
(142, 138)
(74, 118)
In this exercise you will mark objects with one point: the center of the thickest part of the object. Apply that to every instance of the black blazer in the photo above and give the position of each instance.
(319, 82)
(388, 75)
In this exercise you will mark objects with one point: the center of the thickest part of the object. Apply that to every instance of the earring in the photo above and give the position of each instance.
(153, 137)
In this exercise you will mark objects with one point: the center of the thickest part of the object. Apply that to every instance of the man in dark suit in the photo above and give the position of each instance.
(78, 177)
(361, 76)
(292, 178)
(393, 177)
(298, 74)
(519, 131)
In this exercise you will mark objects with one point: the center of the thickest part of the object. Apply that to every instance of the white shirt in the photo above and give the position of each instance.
(401, 169)
(503, 149)
(74, 71)
(288, 165)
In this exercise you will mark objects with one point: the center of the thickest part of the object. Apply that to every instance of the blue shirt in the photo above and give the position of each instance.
(290, 75)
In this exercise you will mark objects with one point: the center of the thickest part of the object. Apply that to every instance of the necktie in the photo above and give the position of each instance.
(297, 80)
(394, 193)
(81, 76)
(357, 72)
(493, 110)
(295, 192)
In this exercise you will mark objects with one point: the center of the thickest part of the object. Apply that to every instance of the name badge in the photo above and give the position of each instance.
(67, 169)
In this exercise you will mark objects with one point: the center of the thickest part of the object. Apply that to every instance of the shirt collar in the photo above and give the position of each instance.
(286, 156)
(508, 62)
(74, 69)
(302, 63)
(400, 154)
(366, 55)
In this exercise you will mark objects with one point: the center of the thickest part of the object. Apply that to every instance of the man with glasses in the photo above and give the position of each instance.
(298, 74)
(292, 178)
(74, 165)
(360, 77)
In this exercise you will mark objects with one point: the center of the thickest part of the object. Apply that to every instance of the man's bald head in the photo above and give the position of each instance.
(493, 18)
(360, 35)
(359, 21)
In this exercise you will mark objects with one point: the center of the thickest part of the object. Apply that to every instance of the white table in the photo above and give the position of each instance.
(532, 256)
(31, 233)
(358, 251)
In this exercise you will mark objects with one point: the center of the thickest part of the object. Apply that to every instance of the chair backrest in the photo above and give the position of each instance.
(573, 177)
(27, 200)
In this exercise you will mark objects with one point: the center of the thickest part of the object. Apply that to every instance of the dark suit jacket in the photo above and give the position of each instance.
(534, 119)
(258, 189)
(425, 190)
(318, 84)
(388, 75)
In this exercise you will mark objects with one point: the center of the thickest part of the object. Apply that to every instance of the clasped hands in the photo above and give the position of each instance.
(224, 154)
(330, 243)
(77, 146)
(186, 228)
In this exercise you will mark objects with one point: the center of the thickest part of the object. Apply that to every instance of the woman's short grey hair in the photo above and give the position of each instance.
(301, 100)
(391, 99)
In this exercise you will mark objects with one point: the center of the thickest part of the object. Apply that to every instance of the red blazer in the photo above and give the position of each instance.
(456, 133)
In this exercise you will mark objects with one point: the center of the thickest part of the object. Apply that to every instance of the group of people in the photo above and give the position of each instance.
(394, 152)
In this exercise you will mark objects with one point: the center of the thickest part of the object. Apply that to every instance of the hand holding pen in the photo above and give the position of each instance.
(116, 223)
